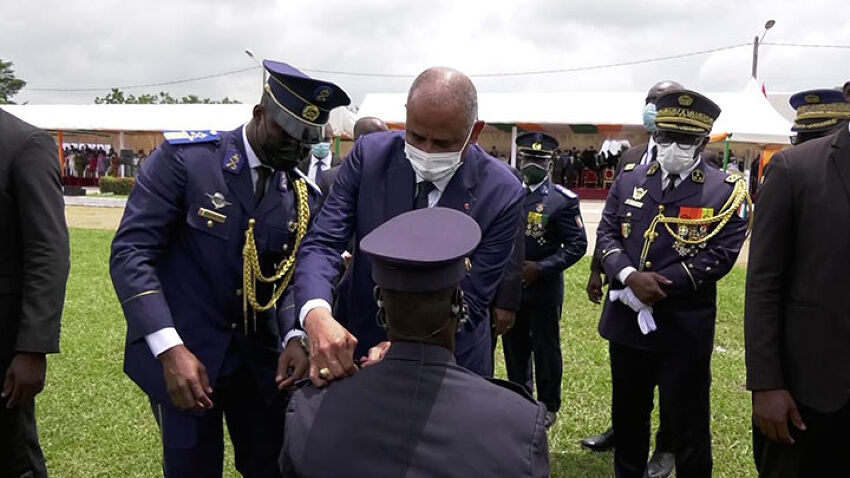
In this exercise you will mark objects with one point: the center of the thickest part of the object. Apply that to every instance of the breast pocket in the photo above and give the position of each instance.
(216, 223)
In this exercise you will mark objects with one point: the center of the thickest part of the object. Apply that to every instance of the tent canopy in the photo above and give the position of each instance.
(152, 118)
(747, 115)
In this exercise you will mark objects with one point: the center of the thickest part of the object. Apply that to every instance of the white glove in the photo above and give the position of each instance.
(646, 321)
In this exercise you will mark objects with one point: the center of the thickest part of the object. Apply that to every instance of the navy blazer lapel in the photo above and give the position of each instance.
(237, 171)
(653, 185)
(840, 157)
(460, 192)
(400, 184)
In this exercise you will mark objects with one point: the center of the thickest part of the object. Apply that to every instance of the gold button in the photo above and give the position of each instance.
(648, 264)
(707, 268)
(210, 224)
(661, 207)
(628, 214)
(690, 266)
(238, 291)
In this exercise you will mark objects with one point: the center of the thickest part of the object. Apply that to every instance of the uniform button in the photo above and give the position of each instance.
(233, 326)
(239, 292)
(661, 207)
(210, 224)
(285, 247)
(628, 214)
(292, 225)
(690, 266)
(648, 264)
(707, 268)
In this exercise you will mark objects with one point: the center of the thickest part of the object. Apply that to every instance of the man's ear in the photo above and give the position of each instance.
(258, 112)
(476, 131)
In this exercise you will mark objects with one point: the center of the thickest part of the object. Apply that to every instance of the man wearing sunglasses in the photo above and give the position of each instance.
(669, 231)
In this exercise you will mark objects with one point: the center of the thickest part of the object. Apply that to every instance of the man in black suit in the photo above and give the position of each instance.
(34, 264)
(797, 324)
(321, 158)
(416, 412)
(363, 126)
(661, 463)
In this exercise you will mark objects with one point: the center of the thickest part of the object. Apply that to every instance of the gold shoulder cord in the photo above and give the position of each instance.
(251, 272)
(739, 196)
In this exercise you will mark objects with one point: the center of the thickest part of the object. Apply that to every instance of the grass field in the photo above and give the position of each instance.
(94, 422)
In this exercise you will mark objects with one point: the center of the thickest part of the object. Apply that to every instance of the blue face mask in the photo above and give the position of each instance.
(320, 150)
(649, 114)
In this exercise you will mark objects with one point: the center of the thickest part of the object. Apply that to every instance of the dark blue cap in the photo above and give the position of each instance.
(536, 144)
(424, 250)
(301, 105)
(819, 110)
(685, 111)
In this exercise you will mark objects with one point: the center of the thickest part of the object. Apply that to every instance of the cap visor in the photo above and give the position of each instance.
(306, 133)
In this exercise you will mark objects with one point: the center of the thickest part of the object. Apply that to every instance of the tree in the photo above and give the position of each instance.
(9, 85)
(116, 96)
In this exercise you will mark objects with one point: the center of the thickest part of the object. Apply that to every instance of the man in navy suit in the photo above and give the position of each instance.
(435, 162)
(417, 413)
(201, 264)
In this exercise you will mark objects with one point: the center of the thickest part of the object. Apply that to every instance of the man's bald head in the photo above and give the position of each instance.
(661, 88)
(368, 124)
(445, 87)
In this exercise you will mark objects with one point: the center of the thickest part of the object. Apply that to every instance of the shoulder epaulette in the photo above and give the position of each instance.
(566, 192)
(191, 137)
(734, 178)
(514, 387)
(629, 167)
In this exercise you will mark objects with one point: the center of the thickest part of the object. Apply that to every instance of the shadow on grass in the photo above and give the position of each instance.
(581, 464)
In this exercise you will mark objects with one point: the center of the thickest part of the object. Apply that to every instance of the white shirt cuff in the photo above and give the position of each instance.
(162, 340)
(310, 305)
(292, 334)
(624, 274)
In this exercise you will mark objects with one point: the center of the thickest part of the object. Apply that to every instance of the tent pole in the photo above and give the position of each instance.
(726, 153)
(513, 145)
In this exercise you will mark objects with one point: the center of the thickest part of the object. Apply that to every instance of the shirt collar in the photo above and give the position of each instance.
(253, 159)
(683, 174)
(534, 187)
(441, 184)
(326, 160)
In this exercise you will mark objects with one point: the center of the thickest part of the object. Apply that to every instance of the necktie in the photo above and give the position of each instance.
(423, 189)
(260, 188)
(671, 184)
(653, 155)
(319, 168)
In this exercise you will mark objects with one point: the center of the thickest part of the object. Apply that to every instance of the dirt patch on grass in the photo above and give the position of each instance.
(82, 217)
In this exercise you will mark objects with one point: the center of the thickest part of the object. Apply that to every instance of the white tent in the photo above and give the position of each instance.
(747, 115)
(152, 118)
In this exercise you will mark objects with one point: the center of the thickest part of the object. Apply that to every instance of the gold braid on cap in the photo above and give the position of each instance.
(251, 272)
(736, 199)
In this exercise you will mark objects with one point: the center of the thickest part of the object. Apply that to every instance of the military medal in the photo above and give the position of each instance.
(626, 229)
(540, 207)
(536, 225)
(218, 200)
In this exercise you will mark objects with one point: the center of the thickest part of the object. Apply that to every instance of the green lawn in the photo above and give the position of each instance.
(94, 422)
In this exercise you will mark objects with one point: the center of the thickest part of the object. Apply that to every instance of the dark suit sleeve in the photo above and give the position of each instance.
(771, 250)
(154, 207)
(573, 240)
(710, 264)
(608, 236)
(320, 256)
(45, 252)
(540, 467)
(509, 293)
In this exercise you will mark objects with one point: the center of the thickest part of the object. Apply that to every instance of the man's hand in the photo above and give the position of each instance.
(594, 287)
(24, 378)
(530, 272)
(376, 354)
(503, 320)
(772, 409)
(647, 286)
(186, 379)
(331, 347)
(292, 365)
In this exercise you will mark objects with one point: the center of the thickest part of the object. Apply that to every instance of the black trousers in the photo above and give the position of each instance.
(20, 452)
(193, 443)
(821, 450)
(684, 383)
(537, 331)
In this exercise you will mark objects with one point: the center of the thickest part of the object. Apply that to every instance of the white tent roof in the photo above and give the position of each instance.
(747, 115)
(152, 117)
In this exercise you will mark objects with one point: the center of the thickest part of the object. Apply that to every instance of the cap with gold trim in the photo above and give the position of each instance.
(685, 111)
(819, 110)
(536, 144)
(301, 105)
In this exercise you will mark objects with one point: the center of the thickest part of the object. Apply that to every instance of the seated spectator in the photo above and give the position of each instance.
(416, 412)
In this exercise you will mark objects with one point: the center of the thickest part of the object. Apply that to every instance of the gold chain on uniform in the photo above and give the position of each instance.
(739, 196)
(251, 272)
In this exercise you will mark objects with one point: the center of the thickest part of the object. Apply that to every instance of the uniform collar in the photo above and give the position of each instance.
(418, 351)
(535, 187)
(683, 174)
(326, 160)
(253, 160)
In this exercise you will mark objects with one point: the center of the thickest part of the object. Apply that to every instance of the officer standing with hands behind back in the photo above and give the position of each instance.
(554, 240)
(202, 262)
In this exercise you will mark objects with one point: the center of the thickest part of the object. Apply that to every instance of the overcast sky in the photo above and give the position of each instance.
(102, 44)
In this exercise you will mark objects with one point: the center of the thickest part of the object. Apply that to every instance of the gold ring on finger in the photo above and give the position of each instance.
(325, 373)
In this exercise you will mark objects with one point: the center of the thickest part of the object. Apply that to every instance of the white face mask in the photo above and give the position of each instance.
(675, 160)
(434, 166)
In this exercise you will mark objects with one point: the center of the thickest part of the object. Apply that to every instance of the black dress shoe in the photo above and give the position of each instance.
(660, 465)
(603, 442)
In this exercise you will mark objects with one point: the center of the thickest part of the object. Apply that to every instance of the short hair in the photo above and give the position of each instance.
(448, 84)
